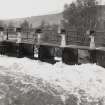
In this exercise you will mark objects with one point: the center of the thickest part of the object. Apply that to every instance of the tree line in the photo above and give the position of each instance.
(81, 15)
(78, 15)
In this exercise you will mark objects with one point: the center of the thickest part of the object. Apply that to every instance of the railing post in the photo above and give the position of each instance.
(19, 36)
(1, 34)
(63, 37)
(18, 41)
(92, 51)
(92, 40)
(39, 35)
(7, 33)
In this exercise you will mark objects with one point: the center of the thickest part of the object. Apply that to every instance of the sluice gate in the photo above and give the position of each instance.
(74, 47)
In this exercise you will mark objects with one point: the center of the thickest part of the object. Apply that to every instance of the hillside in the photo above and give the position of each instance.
(36, 20)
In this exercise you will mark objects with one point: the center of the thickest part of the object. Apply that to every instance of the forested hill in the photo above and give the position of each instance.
(37, 20)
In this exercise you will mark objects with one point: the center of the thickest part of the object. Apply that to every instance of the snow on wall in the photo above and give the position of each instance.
(64, 78)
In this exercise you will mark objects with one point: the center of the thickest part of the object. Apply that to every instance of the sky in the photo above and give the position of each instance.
(23, 8)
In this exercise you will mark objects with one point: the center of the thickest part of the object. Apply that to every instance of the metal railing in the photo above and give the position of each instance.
(53, 37)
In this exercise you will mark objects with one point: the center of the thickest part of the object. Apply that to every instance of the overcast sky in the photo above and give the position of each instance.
(23, 8)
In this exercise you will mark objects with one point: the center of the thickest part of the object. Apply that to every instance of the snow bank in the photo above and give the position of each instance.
(65, 79)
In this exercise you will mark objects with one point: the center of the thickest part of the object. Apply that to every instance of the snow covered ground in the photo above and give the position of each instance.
(86, 82)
